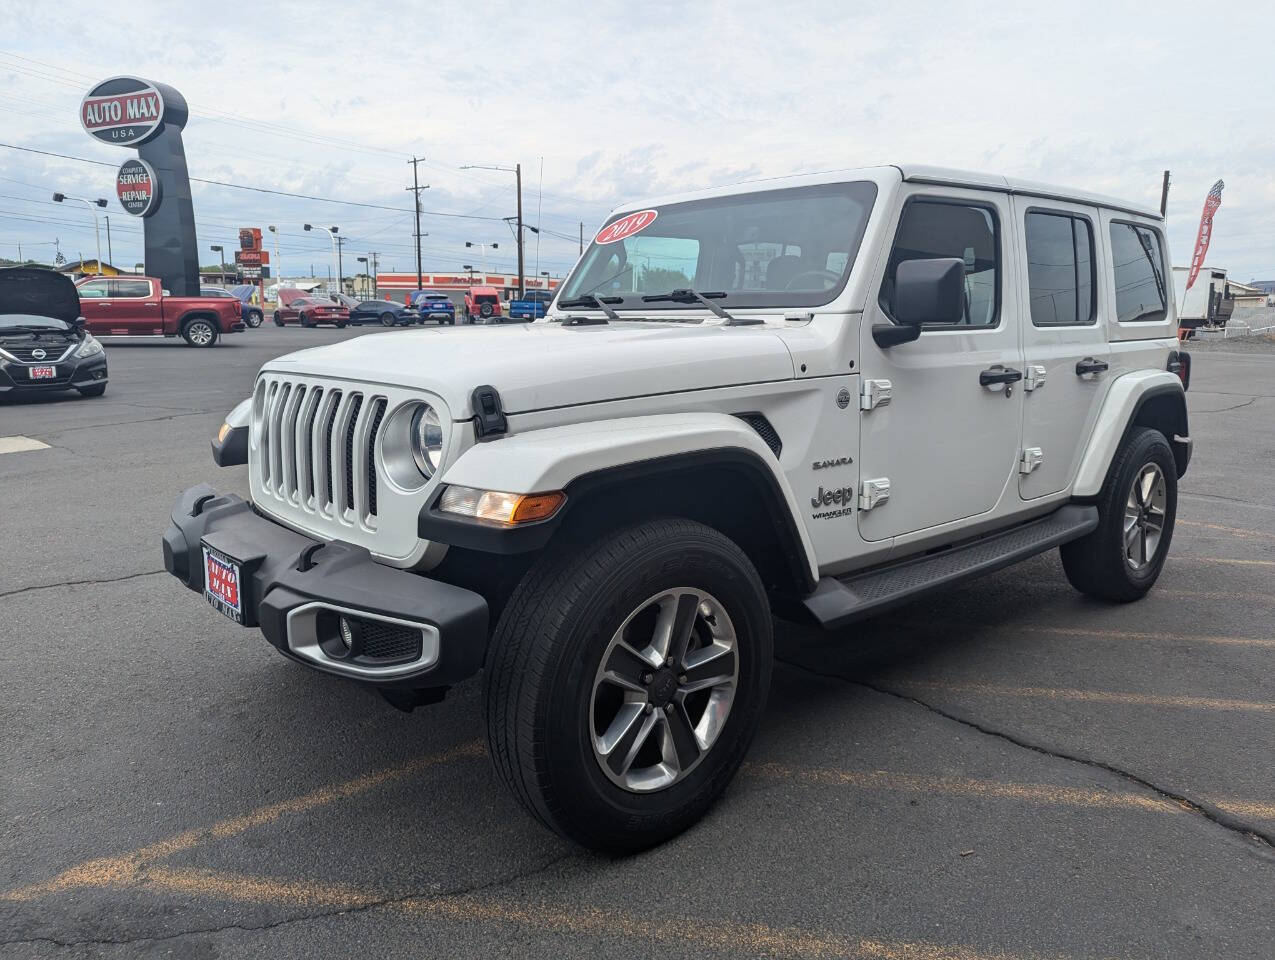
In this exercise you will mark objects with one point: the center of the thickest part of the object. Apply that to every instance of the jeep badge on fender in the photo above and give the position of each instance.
(612, 558)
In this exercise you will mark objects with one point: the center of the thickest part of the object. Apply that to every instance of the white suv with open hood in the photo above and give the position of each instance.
(818, 397)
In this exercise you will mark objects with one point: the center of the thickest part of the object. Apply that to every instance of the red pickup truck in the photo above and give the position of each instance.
(138, 307)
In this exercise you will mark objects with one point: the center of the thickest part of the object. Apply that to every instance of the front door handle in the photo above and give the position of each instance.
(999, 374)
(1090, 365)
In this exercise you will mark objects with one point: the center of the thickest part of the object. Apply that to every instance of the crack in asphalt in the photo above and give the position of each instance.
(464, 891)
(1250, 400)
(125, 423)
(1217, 818)
(80, 583)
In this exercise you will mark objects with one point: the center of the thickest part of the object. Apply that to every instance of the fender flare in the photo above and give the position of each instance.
(580, 458)
(1127, 396)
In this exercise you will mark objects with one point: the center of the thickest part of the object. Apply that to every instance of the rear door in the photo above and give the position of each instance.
(946, 443)
(137, 306)
(1064, 339)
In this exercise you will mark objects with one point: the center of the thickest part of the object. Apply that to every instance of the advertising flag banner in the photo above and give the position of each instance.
(1205, 234)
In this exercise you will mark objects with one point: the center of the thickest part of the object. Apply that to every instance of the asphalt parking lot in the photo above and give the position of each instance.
(1006, 770)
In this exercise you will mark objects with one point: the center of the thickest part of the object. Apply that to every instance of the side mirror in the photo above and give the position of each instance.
(925, 291)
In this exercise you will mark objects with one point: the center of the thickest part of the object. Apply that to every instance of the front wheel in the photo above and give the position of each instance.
(199, 332)
(625, 681)
(1122, 559)
(94, 391)
(278, 319)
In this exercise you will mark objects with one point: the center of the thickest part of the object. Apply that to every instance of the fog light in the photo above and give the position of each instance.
(347, 634)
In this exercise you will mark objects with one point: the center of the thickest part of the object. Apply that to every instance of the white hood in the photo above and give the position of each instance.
(541, 365)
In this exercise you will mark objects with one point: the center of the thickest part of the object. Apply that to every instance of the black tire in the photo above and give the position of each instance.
(544, 658)
(254, 319)
(200, 332)
(387, 319)
(341, 325)
(94, 391)
(1097, 564)
(278, 320)
(302, 320)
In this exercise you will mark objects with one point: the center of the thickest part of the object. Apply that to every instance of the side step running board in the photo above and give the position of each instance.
(837, 602)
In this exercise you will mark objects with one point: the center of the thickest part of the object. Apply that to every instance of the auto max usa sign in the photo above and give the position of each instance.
(137, 188)
(124, 111)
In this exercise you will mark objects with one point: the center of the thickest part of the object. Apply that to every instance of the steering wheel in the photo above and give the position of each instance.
(828, 275)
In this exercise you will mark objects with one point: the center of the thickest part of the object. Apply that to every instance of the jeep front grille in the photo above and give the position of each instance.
(317, 448)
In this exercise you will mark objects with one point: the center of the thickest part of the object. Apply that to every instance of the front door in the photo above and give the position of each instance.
(1064, 340)
(96, 306)
(947, 443)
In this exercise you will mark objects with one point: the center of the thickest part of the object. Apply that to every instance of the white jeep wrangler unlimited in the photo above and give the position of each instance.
(818, 397)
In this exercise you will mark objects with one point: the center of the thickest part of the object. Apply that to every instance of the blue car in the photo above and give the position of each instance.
(249, 312)
(434, 306)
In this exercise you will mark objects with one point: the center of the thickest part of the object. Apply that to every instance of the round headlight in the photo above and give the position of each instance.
(427, 440)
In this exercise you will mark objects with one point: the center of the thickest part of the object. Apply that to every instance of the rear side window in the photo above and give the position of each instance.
(131, 288)
(1060, 269)
(931, 229)
(1138, 258)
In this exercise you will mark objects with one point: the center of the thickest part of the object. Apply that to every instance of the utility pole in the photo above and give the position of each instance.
(415, 190)
(110, 257)
(581, 238)
(340, 267)
(518, 176)
(1164, 194)
(374, 256)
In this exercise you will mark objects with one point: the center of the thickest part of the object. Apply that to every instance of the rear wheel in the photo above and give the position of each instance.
(1122, 559)
(625, 681)
(254, 319)
(387, 319)
(304, 321)
(199, 332)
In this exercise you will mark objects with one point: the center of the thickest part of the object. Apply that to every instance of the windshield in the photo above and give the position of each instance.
(11, 321)
(791, 247)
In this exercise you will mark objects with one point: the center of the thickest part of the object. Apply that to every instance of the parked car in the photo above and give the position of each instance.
(603, 515)
(482, 305)
(140, 307)
(310, 312)
(44, 347)
(532, 305)
(248, 311)
(344, 300)
(434, 306)
(385, 312)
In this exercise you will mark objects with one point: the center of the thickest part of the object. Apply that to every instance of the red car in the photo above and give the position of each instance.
(138, 307)
(296, 307)
(482, 305)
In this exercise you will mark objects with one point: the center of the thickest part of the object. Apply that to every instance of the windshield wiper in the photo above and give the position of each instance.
(686, 295)
(593, 300)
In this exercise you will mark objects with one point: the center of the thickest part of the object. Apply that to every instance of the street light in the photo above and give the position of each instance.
(92, 205)
(368, 285)
(278, 271)
(336, 255)
(220, 251)
(482, 247)
(516, 170)
(470, 268)
(545, 274)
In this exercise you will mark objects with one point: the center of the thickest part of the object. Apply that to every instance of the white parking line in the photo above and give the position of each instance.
(20, 445)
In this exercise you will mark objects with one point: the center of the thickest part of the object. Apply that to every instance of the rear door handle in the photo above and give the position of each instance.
(999, 374)
(1090, 365)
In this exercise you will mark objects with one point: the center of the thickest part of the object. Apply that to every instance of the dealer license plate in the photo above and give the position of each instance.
(223, 584)
(43, 373)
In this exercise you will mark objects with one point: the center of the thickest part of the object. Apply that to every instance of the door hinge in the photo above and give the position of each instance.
(874, 393)
(873, 493)
(1035, 377)
(1032, 458)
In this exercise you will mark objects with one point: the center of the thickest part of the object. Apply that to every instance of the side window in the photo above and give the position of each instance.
(130, 288)
(1138, 259)
(1060, 269)
(93, 290)
(931, 229)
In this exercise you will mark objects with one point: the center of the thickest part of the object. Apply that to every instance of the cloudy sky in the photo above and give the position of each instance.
(622, 100)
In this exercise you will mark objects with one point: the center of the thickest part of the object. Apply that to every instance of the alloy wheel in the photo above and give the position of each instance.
(1144, 515)
(201, 333)
(664, 689)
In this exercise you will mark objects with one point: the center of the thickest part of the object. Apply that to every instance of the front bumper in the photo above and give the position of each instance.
(71, 373)
(287, 577)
